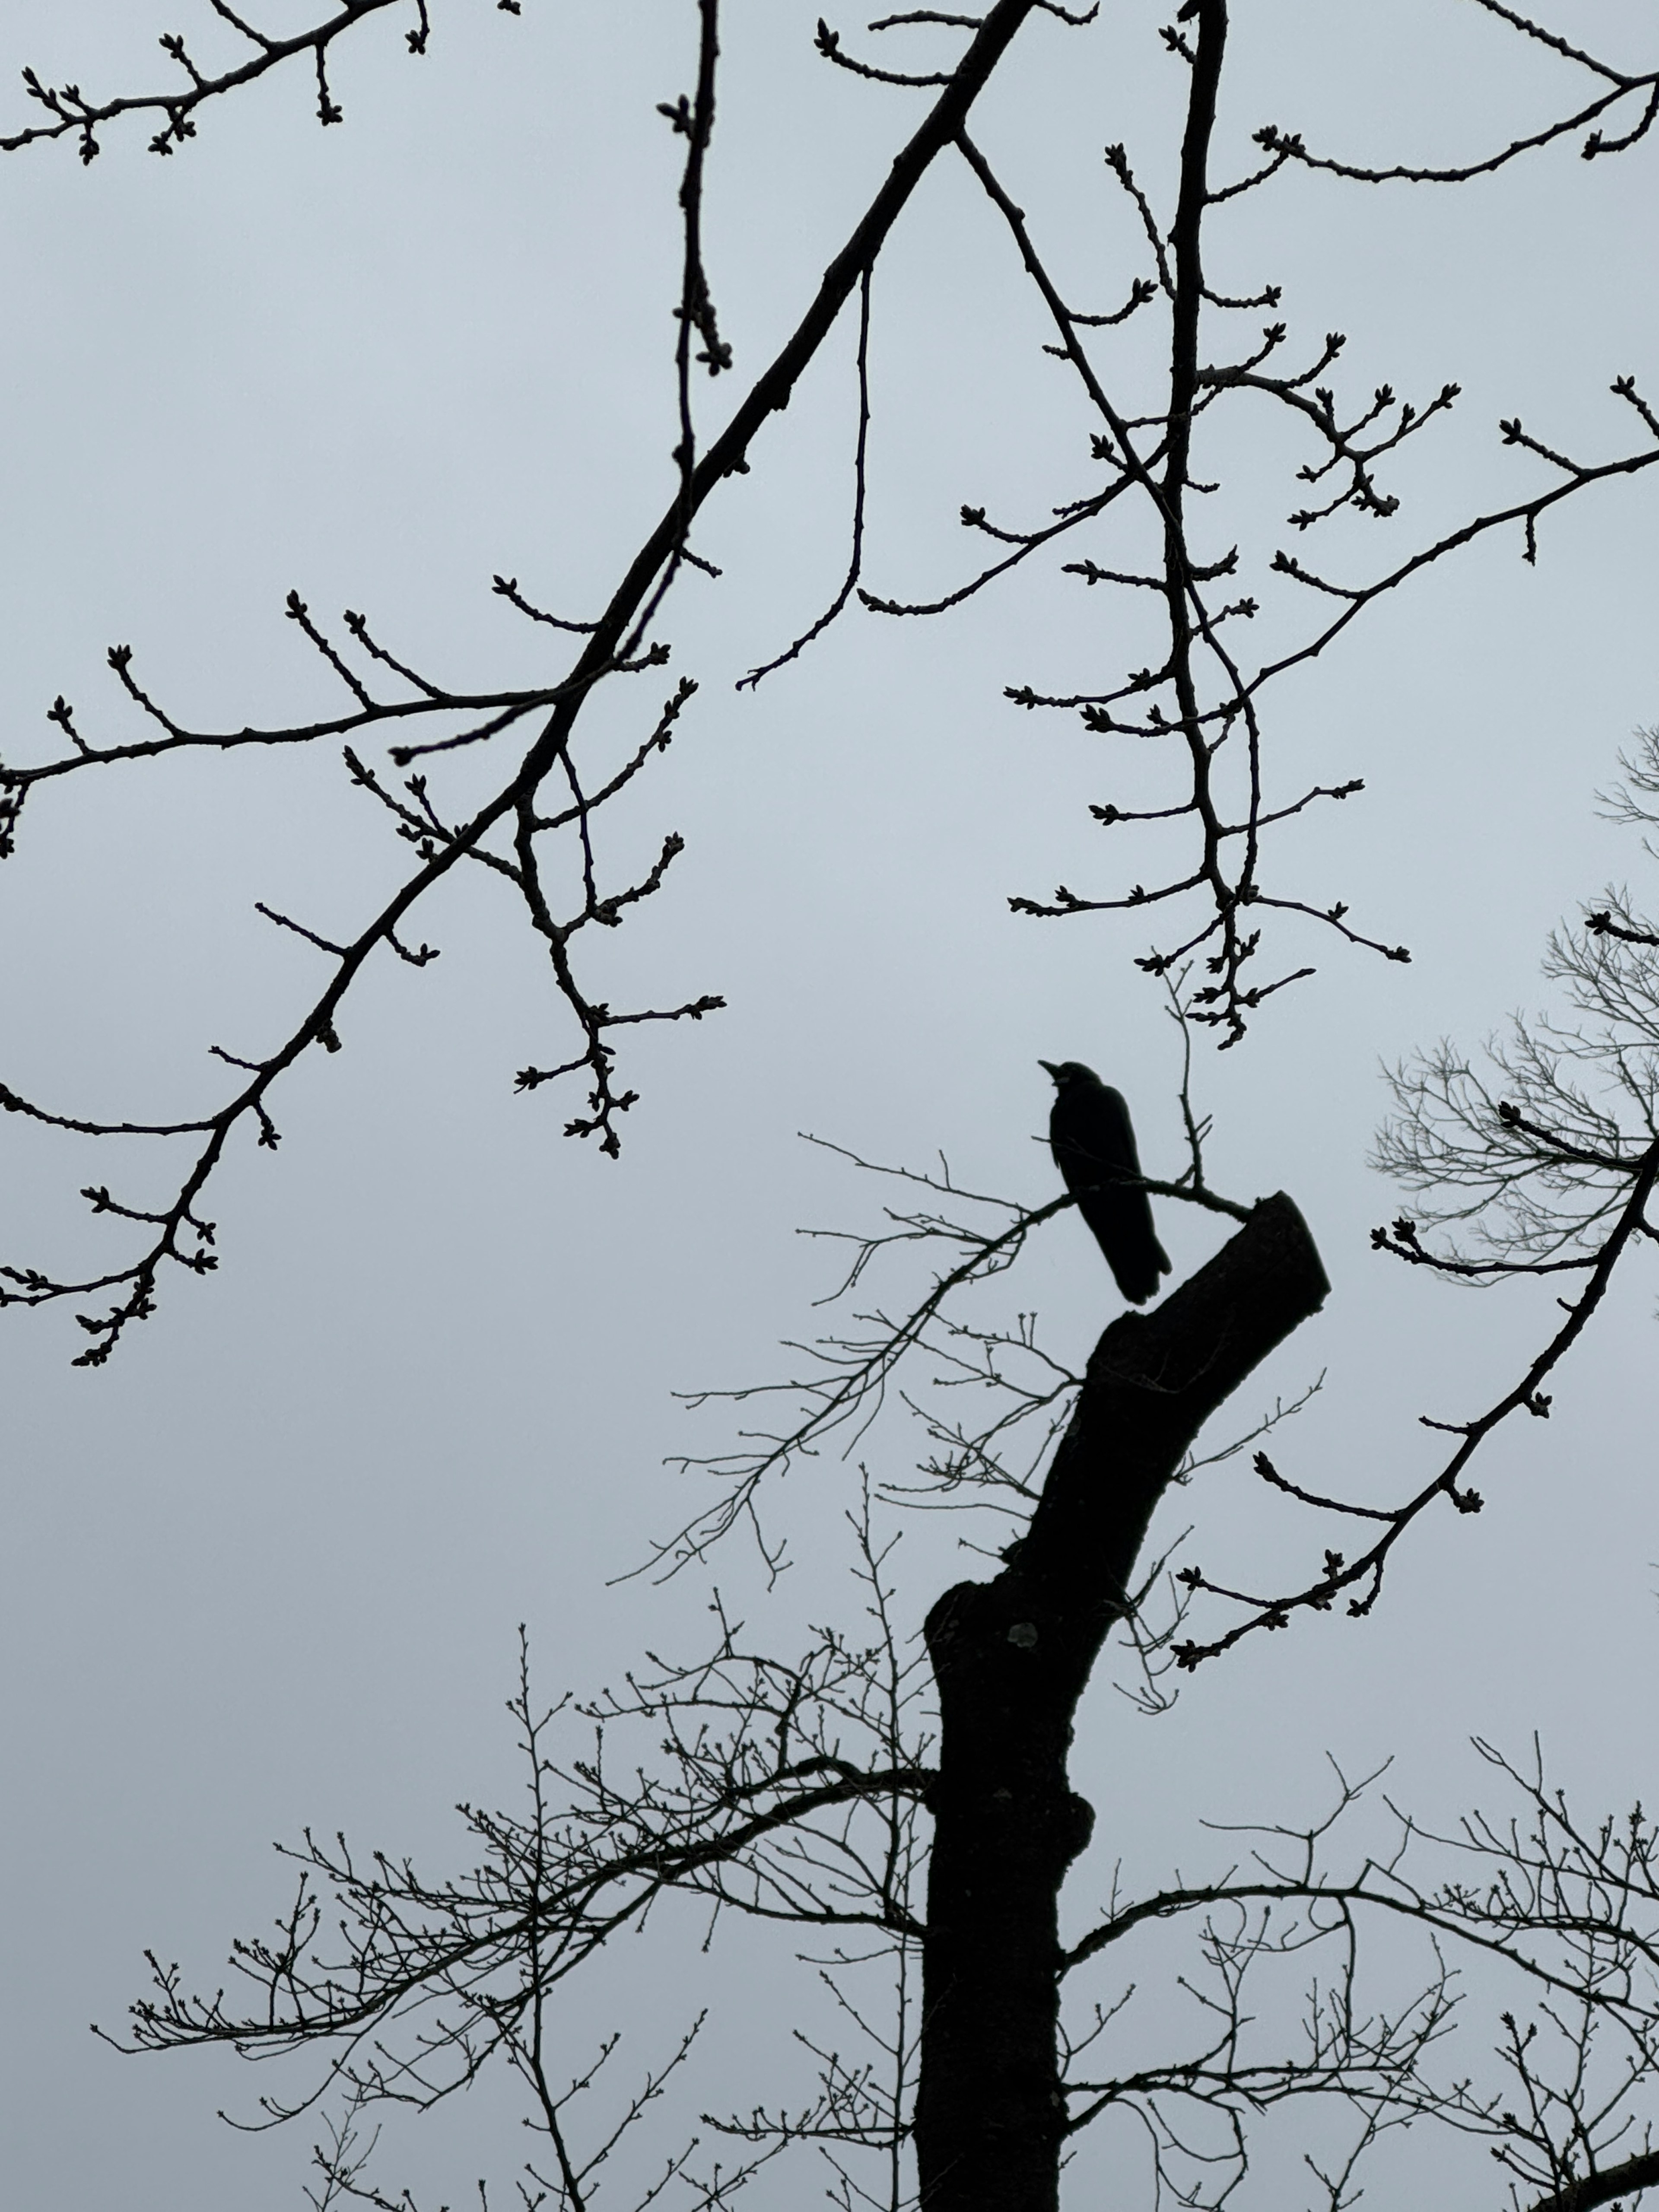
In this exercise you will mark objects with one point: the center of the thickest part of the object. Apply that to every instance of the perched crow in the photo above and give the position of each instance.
(1094, 1148)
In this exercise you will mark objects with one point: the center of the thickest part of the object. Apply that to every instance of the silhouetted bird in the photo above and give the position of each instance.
(1093, 1143)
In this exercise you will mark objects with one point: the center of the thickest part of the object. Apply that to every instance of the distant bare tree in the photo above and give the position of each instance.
(1549, 1155)
(794, 1791)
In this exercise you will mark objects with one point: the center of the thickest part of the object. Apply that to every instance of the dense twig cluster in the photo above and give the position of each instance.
(1196, 698)
(519, 816)
(1549, 1158)
(789, 1793)
(525, 810)
(991, 1463)
(1200, 698)
(1568, 1908)
(783, 1791)
(1558, 1184)
(1538, 1154)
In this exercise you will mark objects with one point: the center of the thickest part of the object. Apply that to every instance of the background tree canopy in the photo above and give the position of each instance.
(264, 1564)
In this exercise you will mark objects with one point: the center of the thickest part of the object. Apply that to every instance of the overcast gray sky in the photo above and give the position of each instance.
(265, 1569)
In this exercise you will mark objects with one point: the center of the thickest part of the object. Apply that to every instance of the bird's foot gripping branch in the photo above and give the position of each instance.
(1011, 1657)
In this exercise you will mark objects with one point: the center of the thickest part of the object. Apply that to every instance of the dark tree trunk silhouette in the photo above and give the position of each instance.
(789, 1789)
(1011, 1657)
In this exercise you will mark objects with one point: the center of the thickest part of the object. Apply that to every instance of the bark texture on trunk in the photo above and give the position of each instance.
(1012, 1658)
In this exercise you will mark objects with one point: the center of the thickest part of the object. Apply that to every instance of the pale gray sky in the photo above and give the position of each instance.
(265, 1569)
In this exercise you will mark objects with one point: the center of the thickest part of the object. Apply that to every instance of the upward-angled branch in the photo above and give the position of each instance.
(616, 640)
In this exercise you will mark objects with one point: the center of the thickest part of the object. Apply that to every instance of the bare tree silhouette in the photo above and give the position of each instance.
(794, 1791)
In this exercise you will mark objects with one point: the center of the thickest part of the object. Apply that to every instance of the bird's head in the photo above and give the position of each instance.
(1070, 1074)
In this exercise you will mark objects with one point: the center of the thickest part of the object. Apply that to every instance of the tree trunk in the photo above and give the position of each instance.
(1011, 1657)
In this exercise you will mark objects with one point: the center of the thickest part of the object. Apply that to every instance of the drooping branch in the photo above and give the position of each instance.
(1617, 86)
(1363, 1575)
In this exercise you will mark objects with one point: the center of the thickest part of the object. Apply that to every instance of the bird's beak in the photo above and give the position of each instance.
(1052, 1069)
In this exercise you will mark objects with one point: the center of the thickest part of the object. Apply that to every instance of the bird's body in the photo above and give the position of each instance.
(1093, 1143)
